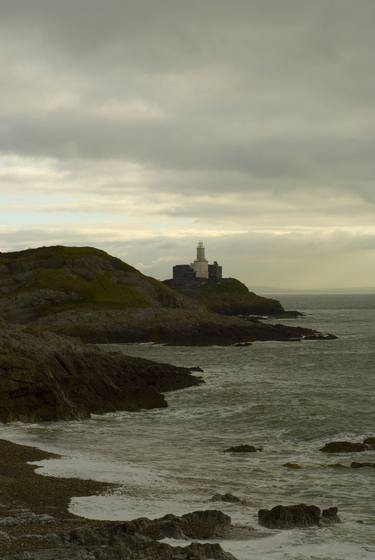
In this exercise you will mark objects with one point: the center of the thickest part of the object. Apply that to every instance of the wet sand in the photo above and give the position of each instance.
(26, 497)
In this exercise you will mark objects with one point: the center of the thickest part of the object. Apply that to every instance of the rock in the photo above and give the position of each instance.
(88, 294)
(242, 449)
(344, 447)
(370, 441)
(26, 518)
(320, 336)
(301, 515)
(330, 516)
(130, 548)
(138, 539)
(46, 377)
(355, 465)
(294, 466)
(240, 344)
(196, 368)
(288, 517)
(229, 296)
(205, 524)
(230, 498)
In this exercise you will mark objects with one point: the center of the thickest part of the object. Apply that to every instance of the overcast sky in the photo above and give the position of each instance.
(142, 126)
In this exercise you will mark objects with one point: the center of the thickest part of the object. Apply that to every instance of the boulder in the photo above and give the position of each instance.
(344, 447)
(330, 516)
(242, 449)
(370, 441)
(229, 498)
(288, 517)
(204, 524)
(301, 515)
(355, 465)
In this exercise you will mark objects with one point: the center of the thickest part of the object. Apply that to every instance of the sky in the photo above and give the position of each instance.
(143, 126)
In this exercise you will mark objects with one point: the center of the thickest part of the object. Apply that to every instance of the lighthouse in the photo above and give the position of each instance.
(188, 274)
(200, 265)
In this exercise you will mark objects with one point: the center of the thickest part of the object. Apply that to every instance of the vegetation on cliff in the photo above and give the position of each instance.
(38, 282)
(228, 296)
(86, 293)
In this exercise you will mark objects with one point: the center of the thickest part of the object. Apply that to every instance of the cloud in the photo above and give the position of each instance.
(158, 120)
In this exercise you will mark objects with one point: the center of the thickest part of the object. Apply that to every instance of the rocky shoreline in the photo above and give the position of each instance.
(35, 523)
(47, 377)
(178, 327)
(88, 294)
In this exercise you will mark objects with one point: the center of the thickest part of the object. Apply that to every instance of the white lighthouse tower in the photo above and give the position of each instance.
(200, 265)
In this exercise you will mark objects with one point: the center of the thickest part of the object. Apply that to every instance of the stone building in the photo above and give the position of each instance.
(198, 270)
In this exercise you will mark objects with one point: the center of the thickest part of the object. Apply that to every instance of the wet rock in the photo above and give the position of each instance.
(5, 538)
(301, 515)
(46, 377)
(330, 516)
(138, 539)
(293, 466)
(130, 549)
(196, 368)
(355, 465)
(229, 498)
(320, 336)
(288, 517)
(344, 447)
(242, 449)
(370, 441)
(26, 518)
(205, 524)
(239, 344)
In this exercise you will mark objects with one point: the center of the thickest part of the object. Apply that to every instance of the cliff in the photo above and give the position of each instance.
(49, 377)
(86, 293)
(48, 280)
(229, 296)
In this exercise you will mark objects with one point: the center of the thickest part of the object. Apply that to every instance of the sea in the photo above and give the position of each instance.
(288, 398)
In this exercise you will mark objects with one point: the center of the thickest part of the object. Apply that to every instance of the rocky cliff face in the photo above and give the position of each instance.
(40, 282)
(86, 293)
(227, 296)
(48, 377)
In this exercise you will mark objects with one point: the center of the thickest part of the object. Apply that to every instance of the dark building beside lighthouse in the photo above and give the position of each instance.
(200, 269)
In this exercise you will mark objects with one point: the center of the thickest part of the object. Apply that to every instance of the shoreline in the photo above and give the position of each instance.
(32, 504)
(36, 524)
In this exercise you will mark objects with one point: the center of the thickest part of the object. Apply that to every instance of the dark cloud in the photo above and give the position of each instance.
(223, 117)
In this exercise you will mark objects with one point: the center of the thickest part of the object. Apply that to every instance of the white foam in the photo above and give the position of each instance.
(101, 471)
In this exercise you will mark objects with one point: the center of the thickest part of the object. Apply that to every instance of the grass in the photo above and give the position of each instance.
(99, 292)
(88, 278)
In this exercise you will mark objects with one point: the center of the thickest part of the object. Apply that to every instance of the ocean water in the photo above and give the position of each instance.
(288, 398)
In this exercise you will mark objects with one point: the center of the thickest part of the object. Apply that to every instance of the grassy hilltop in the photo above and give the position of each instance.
(87, 293)
(37, 282)
(228, 296)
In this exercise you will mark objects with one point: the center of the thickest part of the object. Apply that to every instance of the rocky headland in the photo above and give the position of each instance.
(46, 377)
(229, 296)
(56, 303)
(86, 293)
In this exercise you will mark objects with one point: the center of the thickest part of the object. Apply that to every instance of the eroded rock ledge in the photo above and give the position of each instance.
(46, 377)
(137, 540)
